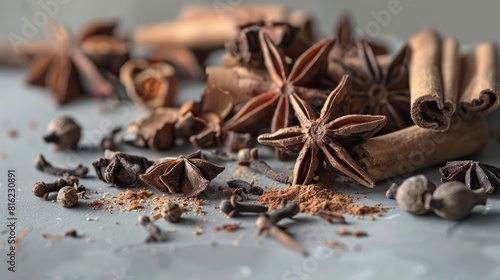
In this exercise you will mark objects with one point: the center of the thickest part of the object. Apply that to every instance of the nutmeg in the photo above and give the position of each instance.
(411, 194)
(454, 200)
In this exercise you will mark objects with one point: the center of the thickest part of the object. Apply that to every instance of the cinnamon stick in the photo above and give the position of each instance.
(414, 148)
(433, 86)
(207, 27)
(479, 89)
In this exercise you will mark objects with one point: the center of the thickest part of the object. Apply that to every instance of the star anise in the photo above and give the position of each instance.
(473, 174)
(121, 170)
(185, 61)
(347, 42)
(189, 175)
(68, 70)
(381, 90)
(274, 105)
(246, 49)
(326, 138)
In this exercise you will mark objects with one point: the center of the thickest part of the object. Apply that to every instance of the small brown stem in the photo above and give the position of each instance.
(154, 231)
(249, 158)
(43, 165)
(233, 208)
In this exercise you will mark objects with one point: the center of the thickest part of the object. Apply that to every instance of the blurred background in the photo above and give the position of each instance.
(469, 21)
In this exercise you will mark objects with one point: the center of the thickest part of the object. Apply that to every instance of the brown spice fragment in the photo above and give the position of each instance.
(21, 235)
(228, 227)
(98, 203)
(198, 231)
(357, 233)
(3, 156)
(12, 133)
(318, 200)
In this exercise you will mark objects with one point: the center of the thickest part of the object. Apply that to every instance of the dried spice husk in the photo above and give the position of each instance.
(347, 41)
(189, 175)
(434, 74)
(244, 49)
(473, 174)
(67, 71)
(240, 82)
(479, 92)
(150, 85)
(120, 169)
(156, 130)
(414, 148)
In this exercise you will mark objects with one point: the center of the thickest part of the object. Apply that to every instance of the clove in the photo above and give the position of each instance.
(266, 223)
(412, 193)
(64, 132)
(43, 165)
(250, 158)
(454, 200)
(154, 231)
(108, 140)
(42, 189)
(242, 188)
(233, 208)
(331, 216)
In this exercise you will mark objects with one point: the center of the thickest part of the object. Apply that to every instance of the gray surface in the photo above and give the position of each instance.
(400, 246)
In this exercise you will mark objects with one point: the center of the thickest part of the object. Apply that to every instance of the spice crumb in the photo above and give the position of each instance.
(3, 156)
(358, 233)
(12, 133)
(198, 231)
(335, 244)
(228, 227)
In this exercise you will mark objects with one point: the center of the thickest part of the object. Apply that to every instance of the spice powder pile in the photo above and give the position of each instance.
(313, 198)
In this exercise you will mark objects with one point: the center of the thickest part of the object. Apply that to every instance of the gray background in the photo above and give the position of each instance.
(400, 246)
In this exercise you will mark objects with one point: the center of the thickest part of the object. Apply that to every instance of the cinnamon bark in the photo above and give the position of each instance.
(207, 27)
(479, 89)
(414, 148)
(433, 79)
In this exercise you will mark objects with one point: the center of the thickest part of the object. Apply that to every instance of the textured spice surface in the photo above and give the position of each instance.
(313, 198)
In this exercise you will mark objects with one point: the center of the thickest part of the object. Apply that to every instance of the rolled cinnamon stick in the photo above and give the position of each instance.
(480, 81)
(414, 148)
(433, 74)
(241, 13)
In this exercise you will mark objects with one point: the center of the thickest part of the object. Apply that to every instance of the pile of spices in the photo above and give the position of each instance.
(315, 198)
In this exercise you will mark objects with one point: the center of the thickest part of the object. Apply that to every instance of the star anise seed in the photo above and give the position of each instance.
(473, 174)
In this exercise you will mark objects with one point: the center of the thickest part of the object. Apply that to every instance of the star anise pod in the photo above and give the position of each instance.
(189, 175)
(67, 70)
(246, 49)
(274, 105)
(347, 42)
(473, 174)
(326, 138)
(120, 169)
(381, 90)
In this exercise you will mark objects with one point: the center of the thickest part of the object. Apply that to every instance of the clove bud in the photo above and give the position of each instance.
(64, 132)
(453, 200)
(412, 193)
(42, 189)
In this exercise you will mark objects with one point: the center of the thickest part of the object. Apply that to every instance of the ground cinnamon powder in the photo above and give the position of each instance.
(313, 198)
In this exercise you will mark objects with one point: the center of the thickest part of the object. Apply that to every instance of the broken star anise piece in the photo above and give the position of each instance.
(120, 169)
(347, 42)
(274, 105)
(155, 130)
(378, 90)
(68, 69)
(245, 47)
(473, 174)
(327, 137)
(189, 175)
(150, 85)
